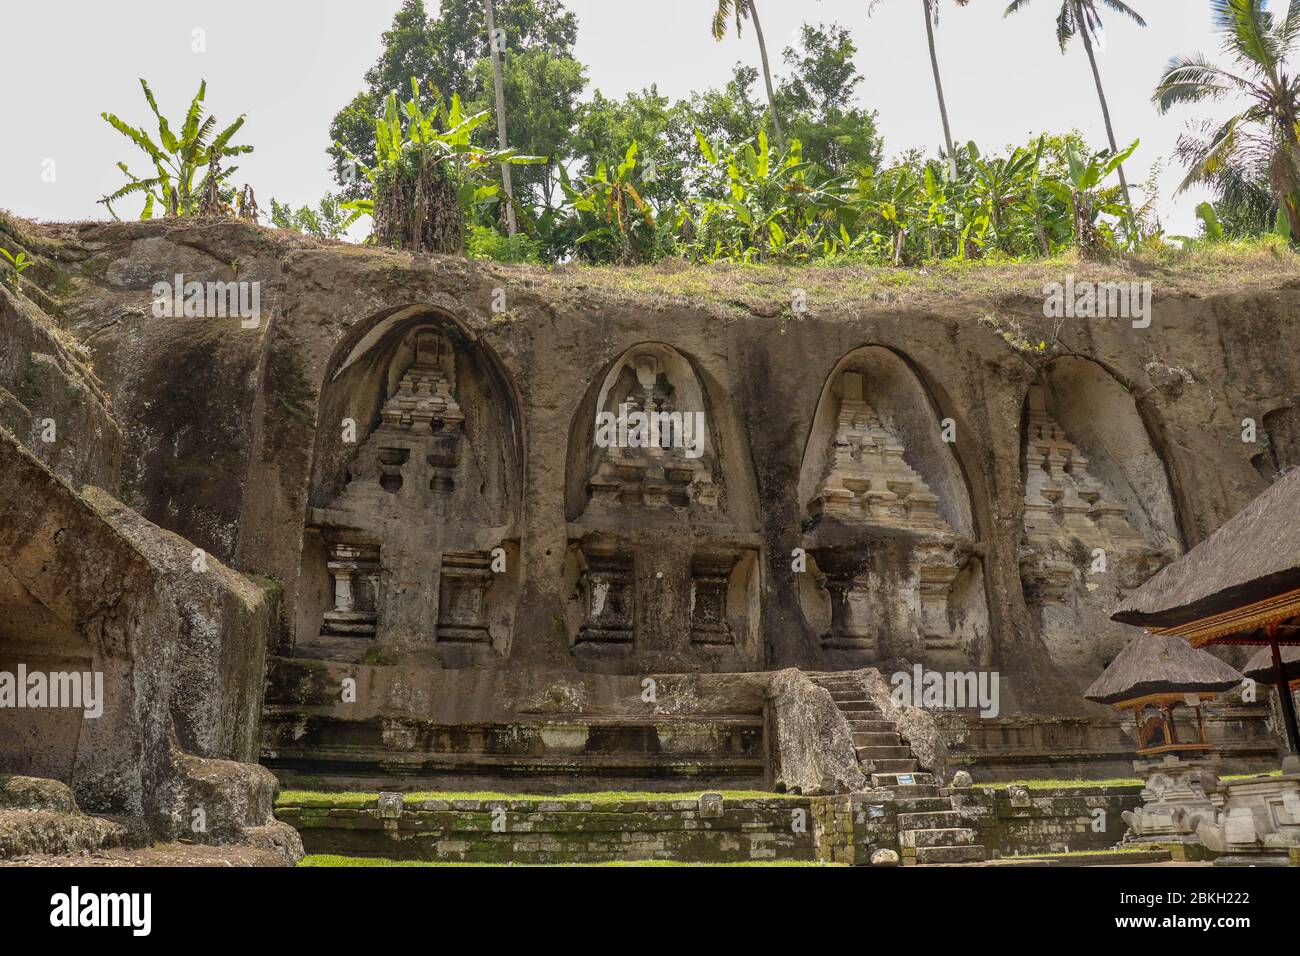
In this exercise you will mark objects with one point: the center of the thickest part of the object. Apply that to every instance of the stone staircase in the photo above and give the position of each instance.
(929, 829)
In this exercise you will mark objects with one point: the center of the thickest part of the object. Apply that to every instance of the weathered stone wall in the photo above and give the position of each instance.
(1029, 747)
(260, 428)
(847, 828)
(1019, 821)
(90, 587)
(233, 437)
(733, 830)
(852, 827)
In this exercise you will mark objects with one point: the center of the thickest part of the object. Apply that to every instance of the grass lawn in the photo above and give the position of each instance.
(1097, 784)
(1061, 784)
(352, 799)
(1110, 851)
(331, 860)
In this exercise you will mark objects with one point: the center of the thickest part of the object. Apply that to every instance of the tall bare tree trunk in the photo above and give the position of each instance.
(511, 226)
(767, 75)
(938, 88)
(1101, 95)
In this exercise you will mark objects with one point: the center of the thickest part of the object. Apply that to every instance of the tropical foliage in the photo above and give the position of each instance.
(18, 264)
(428, 177)
(729, 174)
(178, 157)
(1251, 160)
(1082, 18)
(328, 220)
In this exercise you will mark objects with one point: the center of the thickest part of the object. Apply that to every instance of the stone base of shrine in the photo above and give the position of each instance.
(1176, 796)
(1256, 821)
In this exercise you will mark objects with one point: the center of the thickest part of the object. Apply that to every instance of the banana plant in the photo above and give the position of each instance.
(762, 205)
(618, 219)
(177, 157)
(437, 139)
(1089, 201)
(1001, 185)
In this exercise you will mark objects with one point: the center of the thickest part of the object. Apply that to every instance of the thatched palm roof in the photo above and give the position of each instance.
(1254, 555)
(1260, 667)
(1161, 664)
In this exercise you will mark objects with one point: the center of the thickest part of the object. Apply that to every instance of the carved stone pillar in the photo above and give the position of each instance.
(610, 598)
(355, 571)
(936, 576)
(853, 615)
(710, 580)
(462, 602)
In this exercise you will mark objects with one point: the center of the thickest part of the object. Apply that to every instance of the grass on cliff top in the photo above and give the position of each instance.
(356, 800)
(766, 289)
(334, 860)
(1203, 269)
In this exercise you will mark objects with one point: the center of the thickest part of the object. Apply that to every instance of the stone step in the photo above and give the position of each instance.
(872, 726)
(877, 738)
(884, 751)
(859, 711)
(950, 854)
(889, 764)
(849, 695)
(916, 791)
(920, 805)
(929, 820)
(948, 836)
(890, 779)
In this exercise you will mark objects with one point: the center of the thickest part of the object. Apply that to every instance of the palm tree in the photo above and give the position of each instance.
(931, 21)
(1082, 17)
(501, 116)
(1262, 136)
(739, 11)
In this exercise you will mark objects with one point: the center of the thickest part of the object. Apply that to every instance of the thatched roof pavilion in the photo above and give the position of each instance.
(1161, 665)
(1260, 667)
(1253, 556)
(1241, 585)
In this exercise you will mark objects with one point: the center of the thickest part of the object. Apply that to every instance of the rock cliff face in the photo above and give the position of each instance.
(131, 662)
(456, 478)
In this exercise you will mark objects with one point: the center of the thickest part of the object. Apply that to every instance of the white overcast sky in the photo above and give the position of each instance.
(290, 64)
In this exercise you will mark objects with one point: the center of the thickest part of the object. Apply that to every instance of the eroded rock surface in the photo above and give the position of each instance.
(464, 574)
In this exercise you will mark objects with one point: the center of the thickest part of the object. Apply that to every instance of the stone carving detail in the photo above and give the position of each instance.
(651, 450)
(1061, 497)
(867, 478)
(462, 606)
(710, 580)
(1175, 798)
(1080, 552)
(868, 484)
(400, 478)
(355, 571)
(420, 422)
(609, 593)
(853, 618)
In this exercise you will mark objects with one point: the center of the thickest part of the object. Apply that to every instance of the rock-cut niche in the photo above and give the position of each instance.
(888, 529)
(1099, 515)
(662, 565)
(411, 550)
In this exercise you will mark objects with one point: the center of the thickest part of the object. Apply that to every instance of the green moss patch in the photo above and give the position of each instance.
(357, 800)
(334, 860)
(1109, 784)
